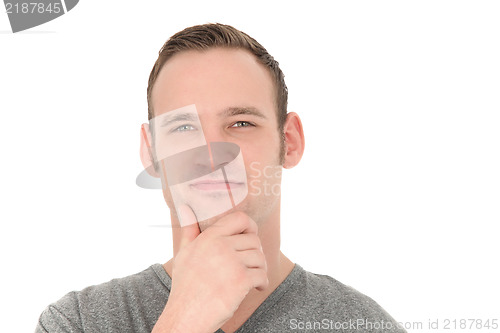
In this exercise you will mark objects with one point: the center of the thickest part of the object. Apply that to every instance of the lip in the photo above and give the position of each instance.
(215, 185)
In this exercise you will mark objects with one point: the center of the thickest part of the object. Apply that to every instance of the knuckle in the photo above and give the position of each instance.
(262, 260)
(254, 225)
(253, 241)
(240, 218)
(240, 215)
(256, 241)
(266, 282)
(263, 276)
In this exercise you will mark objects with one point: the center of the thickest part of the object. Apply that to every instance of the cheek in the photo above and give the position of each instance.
(168, 198)
(167, 195)
(264, 179)
(262, 160)
(264, 149)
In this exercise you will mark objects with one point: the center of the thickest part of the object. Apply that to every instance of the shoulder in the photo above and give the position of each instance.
(113, 300)
(61, 316)
(323, 297)
(328, 290)
(111, 293)
(140, 284)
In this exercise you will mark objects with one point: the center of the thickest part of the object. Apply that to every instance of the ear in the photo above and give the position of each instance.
(294, 140)
(147, 158)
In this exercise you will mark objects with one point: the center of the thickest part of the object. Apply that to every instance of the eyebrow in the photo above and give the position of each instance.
(236, 111)
(167, 120)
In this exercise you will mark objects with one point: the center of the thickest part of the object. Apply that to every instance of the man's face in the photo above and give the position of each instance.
(235, 101)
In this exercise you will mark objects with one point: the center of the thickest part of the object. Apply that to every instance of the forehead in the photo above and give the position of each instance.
(213, 80)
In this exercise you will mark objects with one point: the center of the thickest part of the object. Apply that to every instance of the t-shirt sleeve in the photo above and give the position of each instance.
(59, 317)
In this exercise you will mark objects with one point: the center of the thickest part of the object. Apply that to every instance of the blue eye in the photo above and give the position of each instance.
(242, 124)
(184, 128)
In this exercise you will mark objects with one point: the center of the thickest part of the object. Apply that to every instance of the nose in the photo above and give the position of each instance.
(212, 132)
(219, 153)
(188, 165)
(212, 156)
(223, 153)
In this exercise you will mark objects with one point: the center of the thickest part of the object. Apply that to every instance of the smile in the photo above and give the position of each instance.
(215, 185)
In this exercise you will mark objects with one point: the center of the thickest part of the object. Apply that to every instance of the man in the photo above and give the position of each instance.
(227, 273)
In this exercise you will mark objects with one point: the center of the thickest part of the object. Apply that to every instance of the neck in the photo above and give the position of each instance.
(278, 267)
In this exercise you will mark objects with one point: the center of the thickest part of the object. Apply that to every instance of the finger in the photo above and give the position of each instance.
(235, 223)
(242, 242)
(253, 259)
(189, 225)
(259, 278)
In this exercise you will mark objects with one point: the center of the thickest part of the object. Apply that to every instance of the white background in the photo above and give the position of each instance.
(397, 194)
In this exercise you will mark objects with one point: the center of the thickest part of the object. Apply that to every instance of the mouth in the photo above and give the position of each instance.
(215, 185)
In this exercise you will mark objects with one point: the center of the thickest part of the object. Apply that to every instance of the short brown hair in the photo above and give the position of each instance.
(206, 36)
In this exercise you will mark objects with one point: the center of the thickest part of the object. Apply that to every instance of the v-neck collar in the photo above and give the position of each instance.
(270, 301)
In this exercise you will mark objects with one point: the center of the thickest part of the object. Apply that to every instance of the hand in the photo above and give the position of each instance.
(212, 272)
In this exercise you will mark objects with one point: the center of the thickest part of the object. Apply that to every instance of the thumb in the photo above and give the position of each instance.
(189, 225)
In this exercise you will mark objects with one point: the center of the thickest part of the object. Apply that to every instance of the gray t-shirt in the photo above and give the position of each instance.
(303, 302)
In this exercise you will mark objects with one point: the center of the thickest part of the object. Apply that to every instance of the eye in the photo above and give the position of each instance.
(184, 128)
(242, 124)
